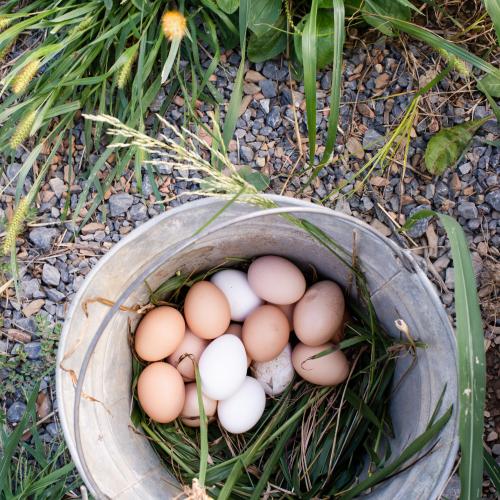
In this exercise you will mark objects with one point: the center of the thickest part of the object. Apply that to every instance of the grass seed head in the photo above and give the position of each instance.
(24, 77)
(124, 72)
(174, 25)
(16, 225)
(23, 129)
(4, 22)
(6, 49)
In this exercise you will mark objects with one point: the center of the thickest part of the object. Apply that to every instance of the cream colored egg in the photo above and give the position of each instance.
(276, 280)
(330, 369)
(161, 392)
(159, 333)
(189, 350)
(206, 310)
(265, 333)
(191, 411)
(319, 313)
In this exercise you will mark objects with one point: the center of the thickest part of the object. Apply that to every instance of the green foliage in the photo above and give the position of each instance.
(493, 8)
(228, 6)
(447, 146)
(267, 44)
(471, 357)
(263, 15)
(490, 84)
(381, 13)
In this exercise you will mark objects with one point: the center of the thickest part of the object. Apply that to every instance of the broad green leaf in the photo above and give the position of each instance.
(351, 6)
(263, 15)
(268, 45)
(257, 179)
(325, 41)
(380, 13)
(228, 6)
(471, 357)
(493, 8)
(447, 146)
(490, 84)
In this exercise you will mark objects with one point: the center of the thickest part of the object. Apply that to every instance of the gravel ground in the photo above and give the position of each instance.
(53, 263)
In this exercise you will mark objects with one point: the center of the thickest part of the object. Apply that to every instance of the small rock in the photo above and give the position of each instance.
(268, 88)
(55, 295)
(43, 237)
(382, 81)
(467, 210)
(372, 140)
(265, 105)
(273, 119)
(50, 275)
(246, 154)
(120, 203)
(33, 307)
(273, 72)
(465, 168)
(92, 227)
(253, 76)
(57, 185)
(492, 436)
(355, 148)
(52, 429)
(380, 227)
(15, 412)
(493, 199)
(450, 278)
(30, 287)
(33, 350)
(250, 88)
(43, 405)
(420, 227)
(138, 212)
(452, 490)
(19, 335)
(496, 449)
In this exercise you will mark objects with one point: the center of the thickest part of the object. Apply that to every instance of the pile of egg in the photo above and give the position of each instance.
(235, 321)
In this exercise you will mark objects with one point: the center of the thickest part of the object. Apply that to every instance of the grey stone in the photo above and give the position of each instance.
(57, 185)
(273, 72)
(138, 212)
(30, 287)
(55, 295)
(467, 210)
(452, 490)
(372, 140)
(496, 449)
(273, 119)
(246, 154)
(43, 237)
(493, 199)
(265, 105)
(268, 88)
(15, 412)
(50, 275)
(465, 168)
(450, 278)
(13, 170)
(53, 429)
(420, 226)
(120, 203)
(33, 350)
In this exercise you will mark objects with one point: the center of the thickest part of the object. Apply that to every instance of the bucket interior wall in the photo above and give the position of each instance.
(123, 463)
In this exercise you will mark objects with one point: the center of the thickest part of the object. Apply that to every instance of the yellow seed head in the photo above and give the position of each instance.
(24, 77)
(124, 72)
(15, 226)
(174, 25)
(4, 22)
(23, 129)
(81, 26)
(6, 50)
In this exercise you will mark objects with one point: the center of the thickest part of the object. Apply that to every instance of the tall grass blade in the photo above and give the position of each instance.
(492, 469)
(493, 8)
(309, 56)
(471, 358)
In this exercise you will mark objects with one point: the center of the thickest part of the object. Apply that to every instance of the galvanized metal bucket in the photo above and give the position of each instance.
(117, 462)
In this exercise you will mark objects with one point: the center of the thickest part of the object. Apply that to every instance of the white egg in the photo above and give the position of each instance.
(223, 367)
(234, 285)
(243, 409)
(275, 375)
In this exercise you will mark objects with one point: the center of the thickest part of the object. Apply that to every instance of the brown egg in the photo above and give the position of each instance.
(331, 369)
(338, 336)
(235, 329)
(159, 333)
(193, 345)
(191, 409)
(265, 333)
(319, 313)
(161, 392)
(276, 280)
(206, 310)
(288, 311)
